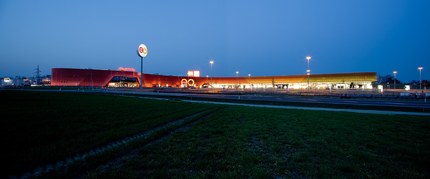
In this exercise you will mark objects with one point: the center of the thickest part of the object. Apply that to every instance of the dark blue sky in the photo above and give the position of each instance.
(256, 37)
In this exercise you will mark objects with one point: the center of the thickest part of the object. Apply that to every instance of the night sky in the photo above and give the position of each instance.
(252, 37)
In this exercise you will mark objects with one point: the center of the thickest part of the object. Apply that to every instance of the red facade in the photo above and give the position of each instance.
(101, 78)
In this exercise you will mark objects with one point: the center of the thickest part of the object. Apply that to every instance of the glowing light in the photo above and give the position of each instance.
(184, 81)
(407, 87)
(7, 80)
(126, 69)
(190, 73)
(193, 73)
(381, 88)
(191, 82)
(196, 73)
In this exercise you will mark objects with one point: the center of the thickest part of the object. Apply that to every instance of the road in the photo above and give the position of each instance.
(416, 104)
(403, 103)
(316, 108)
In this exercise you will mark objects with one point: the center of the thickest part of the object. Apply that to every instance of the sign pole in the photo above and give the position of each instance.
(141, 72)
(142, 51)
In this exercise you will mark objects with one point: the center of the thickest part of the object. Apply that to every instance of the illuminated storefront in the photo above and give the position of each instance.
(123, 78)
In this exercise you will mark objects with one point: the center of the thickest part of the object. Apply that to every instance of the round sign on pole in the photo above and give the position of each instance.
(142, 50)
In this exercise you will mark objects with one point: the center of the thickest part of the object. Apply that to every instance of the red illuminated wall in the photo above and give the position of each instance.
(101, 78)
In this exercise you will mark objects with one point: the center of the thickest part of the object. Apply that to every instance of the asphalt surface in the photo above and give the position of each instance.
(404, 103)
(390, 102)
(346, 103)
(316, 108)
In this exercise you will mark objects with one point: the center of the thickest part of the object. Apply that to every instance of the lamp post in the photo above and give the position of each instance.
(237, 78)
(394, 74)
(211, 62)
(420, 69)
(308, 71)
(249, 81)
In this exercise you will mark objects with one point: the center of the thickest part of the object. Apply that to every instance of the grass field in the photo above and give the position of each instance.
(40, 128)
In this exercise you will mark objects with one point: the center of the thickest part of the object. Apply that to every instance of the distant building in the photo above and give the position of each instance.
(22, 81)
(6, 81)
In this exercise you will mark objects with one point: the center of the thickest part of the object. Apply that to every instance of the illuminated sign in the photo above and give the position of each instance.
(193, 73)
(126, 69)
(196, 73)
(189, 82)
(142, 50)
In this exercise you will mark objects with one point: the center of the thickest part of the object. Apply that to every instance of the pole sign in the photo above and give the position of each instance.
(142, 50)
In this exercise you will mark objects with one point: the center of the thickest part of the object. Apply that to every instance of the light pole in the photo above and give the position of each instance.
(308, 71)
(211, 62)
(394, 73)
(249, 81)
(237, 78)
(420, 69)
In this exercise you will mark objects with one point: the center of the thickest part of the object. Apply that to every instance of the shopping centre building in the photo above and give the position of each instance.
(125, 77)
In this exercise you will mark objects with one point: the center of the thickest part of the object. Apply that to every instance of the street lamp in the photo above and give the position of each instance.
(420, 69)
(308, 71)
(394, 73)
(237, 76)
(249, 81)
(212, 63)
